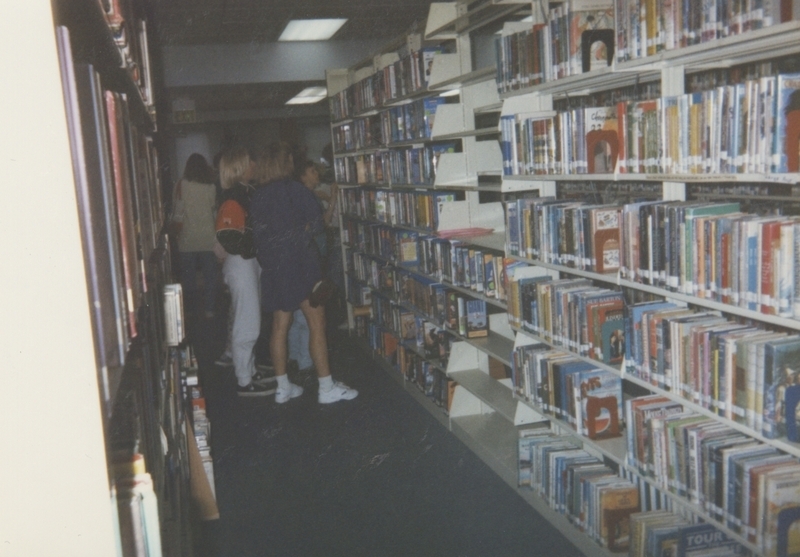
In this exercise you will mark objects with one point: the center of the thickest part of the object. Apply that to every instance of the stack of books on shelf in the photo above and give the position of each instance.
(415, 209)
(704, 249)
(647, 28)
(575, 391)
(748, 127)
(136, 507)
(554, 50)
(665, 533)
(575, 483)
(740, 482)
(737, 371)
(201, 426)
(399, 79)
(130, 36)
(570, 313)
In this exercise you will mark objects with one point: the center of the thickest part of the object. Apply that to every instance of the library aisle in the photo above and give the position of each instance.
(378, 476)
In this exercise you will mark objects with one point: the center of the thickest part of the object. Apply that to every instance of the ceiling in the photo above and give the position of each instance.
(227, 22)
(241, 21)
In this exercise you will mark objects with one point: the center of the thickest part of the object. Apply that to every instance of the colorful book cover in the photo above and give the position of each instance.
(786, 146)
(704, 539)
(602, 139)
(600, 407)
(477, 320)
(781, 370)
(605, 239)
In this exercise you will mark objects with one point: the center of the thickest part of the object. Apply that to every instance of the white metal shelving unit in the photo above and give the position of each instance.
(485, 414)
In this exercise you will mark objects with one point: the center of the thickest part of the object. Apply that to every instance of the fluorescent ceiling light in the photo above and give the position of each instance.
(311, 29)
(309, 95)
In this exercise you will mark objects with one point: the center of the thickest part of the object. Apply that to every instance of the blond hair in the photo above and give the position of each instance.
(233, 166)
(274, 162)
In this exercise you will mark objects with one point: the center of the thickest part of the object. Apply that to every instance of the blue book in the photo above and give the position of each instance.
(477, 319)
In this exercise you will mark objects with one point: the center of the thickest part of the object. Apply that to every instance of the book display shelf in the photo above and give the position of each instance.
(620, 342)
(101, 82)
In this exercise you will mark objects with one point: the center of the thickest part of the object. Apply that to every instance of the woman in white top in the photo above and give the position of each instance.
(194, 203)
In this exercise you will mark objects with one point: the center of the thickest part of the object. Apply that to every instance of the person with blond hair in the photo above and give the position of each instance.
(241, 272)
(286, 216)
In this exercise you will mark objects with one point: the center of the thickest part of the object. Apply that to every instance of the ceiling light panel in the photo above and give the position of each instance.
(311, 29)
(309, 95)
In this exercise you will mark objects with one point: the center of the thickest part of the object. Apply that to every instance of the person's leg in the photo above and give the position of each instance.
(241, 275)
(329, 390)
(298, 341)
(281, 321)
(210, 269)
(317, 342)
(188, 278)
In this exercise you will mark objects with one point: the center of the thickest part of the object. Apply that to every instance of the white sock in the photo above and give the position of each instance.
(325, 383)
(283, 381)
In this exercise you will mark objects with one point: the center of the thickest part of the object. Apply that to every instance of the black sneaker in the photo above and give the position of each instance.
(255, 390)
(261, 378)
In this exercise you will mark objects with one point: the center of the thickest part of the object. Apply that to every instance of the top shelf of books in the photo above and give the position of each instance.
(580, 52)
(122, 57)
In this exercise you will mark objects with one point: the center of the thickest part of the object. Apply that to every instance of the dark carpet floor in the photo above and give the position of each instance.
(376, 476)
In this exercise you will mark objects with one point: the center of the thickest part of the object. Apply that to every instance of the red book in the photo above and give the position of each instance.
(770, 248)
(124, 205)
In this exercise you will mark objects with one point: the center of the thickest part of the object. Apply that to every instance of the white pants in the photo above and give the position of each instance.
(243, 279)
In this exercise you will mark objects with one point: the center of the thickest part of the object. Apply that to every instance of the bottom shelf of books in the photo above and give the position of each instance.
(583, 482)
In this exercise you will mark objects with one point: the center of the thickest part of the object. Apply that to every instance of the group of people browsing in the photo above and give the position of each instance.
(273, 268)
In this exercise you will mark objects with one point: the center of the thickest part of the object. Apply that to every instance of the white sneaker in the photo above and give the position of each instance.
(284, 395)
(340, 391)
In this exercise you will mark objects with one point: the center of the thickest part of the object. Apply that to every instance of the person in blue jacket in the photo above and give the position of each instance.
(285, 217)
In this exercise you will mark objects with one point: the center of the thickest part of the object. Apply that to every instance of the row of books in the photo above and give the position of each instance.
(399, 79)
(572, 313)
(659, 533)
(425, 293)
(135, 507)
(574, 483)
(749, 127)
(358, 294)
(416, 332)
(130, 36)
(570, 233)
(459, 264)
(737, 371)
(452, 262)
(359, 97)
(409, 74)
(201, 426)
(429, 377)
(457, 311)
(705, 249)
(744, 484)
(450, 308)
(589, 399)
(646, 28)
(402, 166)
(407, 122)
(553, 50)
(119, 203)
(418, 209)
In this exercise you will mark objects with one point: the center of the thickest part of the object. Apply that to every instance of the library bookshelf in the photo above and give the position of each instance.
(401, 239)
(96, 438)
